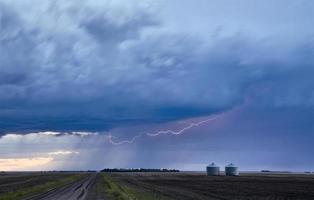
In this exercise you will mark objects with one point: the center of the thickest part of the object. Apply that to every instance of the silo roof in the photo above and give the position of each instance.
(231, 165)
(212, 165)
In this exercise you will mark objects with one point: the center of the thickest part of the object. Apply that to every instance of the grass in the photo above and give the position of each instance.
(38, 189)
(116, 191)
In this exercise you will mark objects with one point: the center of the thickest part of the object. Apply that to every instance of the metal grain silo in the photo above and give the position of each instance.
(212, 170)
(231, 170)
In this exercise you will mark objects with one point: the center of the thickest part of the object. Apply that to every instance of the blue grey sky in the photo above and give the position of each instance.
(104, 78)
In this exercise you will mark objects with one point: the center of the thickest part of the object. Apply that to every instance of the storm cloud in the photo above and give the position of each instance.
(97, 65)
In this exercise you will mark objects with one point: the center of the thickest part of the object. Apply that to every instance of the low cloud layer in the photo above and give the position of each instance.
(254, 138)
(98, 65)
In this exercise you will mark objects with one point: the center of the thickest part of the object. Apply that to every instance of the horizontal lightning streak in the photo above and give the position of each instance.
(110, 139)
(172, 132)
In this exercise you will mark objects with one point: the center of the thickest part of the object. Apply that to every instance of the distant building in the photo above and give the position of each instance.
(212, 170)
(231, 170)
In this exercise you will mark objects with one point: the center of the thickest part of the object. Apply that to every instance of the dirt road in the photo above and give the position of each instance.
(74, 191)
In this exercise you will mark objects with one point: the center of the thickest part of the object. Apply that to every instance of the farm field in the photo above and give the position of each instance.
(184, 186)
(153, 186)
(27, 185)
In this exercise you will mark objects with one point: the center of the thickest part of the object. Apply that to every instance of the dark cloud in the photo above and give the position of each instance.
(109, 32)
(95, 67)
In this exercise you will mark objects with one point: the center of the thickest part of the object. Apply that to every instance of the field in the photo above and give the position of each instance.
(19, 185)
(153, 186)
(184, 186)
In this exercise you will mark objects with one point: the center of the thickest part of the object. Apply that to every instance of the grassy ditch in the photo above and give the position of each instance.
(38, 189)
(118, 191)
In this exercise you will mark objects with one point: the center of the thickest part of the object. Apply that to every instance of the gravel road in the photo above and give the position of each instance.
(74, 191)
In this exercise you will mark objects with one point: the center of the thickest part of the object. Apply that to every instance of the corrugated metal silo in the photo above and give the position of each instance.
(212, 170)
(231, 170)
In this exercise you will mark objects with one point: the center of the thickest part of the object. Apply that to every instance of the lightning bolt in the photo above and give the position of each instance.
(111, 141)
(184, 129)
(189, 126)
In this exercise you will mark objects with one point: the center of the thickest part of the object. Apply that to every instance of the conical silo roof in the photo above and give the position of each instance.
(231, 165)
(212, 165)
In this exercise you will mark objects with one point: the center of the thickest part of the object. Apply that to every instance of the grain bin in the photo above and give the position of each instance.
(212, 170)
(231, 170)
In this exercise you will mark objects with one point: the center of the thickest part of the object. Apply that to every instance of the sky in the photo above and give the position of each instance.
(156, 84)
